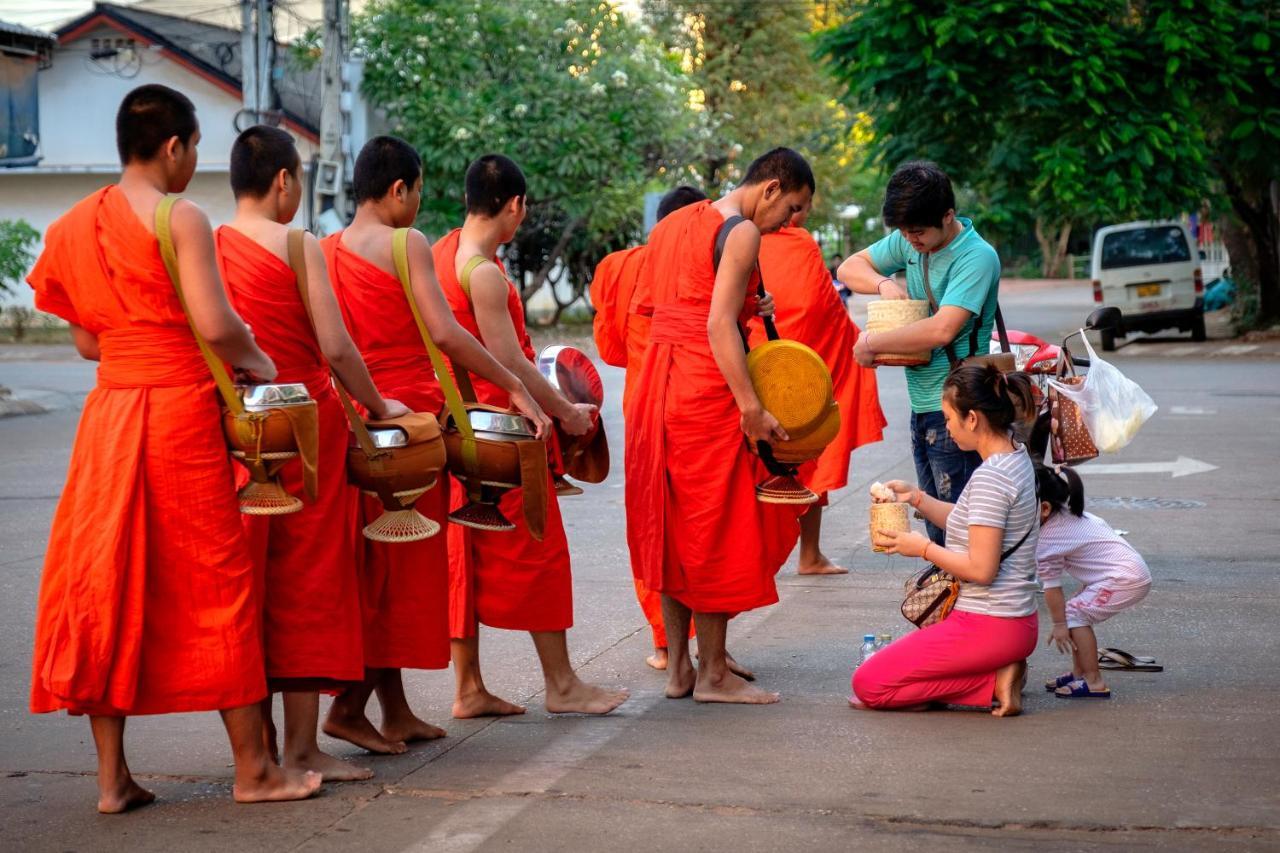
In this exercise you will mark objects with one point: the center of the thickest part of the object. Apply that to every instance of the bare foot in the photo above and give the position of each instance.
(658, 660)
(680, 680)
(410, 729)
(277, 785)
(821, 566)
(730, 688)
(583, 698)
(331, 769)
(362, 733)
(735, 667)
(1010, 680)
(483, 704)
(123, 798)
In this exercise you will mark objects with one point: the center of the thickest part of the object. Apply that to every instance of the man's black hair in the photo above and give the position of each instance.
(382, 161)
(790, 169)
(682, 196)
(257, 156)
(150, 116)
(492, 181)
(919, 195)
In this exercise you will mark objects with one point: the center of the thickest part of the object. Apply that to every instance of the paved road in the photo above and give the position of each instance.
(1181, 760)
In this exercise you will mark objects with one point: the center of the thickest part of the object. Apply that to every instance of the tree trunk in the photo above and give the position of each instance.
(1053, 246)
(541, 277)
(1260, 218)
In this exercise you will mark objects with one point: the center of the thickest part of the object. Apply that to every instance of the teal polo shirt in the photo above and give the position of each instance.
(964, 273)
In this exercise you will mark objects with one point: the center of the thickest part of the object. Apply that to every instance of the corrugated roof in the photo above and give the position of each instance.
(26, 32)
(216, 50)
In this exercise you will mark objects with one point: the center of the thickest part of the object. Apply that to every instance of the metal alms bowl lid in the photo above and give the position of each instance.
(571, 372)
(388, 437)
(500, 426)
(259, 397)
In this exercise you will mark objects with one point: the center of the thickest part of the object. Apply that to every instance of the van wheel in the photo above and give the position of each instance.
(1198, 333)
(1108, 340)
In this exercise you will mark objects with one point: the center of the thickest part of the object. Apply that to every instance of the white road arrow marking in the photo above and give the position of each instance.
(1180, 467)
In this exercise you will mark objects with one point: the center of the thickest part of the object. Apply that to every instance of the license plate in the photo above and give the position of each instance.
(1148, 290)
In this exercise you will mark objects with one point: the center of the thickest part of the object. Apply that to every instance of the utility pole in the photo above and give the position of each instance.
(266, 57)
(329, 199)
(249, 61)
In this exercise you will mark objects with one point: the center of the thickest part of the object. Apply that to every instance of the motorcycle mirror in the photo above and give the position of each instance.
(1104, 318)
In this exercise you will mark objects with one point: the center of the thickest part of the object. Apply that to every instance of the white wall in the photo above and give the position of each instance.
(78, 104)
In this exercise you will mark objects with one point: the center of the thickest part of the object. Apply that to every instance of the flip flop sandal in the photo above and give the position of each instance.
(1060, 681)
(1118, 659)
(1080, 690)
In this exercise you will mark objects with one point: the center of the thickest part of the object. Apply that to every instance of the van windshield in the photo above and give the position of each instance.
(1165, 244)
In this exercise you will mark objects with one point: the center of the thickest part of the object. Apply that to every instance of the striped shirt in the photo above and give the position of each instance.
(1090, 551)
(1001, 493)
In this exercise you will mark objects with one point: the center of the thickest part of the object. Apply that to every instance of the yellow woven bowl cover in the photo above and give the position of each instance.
(793, 384)
(808, 447)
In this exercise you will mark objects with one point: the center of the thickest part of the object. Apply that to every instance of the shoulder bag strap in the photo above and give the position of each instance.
(164, 234)
(933, 308)
(452, 399)
(722, 237)
(298, 261)
(464, 281)
(1009, 553)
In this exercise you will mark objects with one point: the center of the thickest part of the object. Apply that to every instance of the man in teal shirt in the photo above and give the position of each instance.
(964, 275)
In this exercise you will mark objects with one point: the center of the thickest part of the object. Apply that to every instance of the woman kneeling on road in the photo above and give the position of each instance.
(977, 655)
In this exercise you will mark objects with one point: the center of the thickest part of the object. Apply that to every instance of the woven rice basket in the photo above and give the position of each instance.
(885, 315)
(887, 517)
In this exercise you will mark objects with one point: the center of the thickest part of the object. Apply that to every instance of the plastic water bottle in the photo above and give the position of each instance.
(868, 648)
(883, 640)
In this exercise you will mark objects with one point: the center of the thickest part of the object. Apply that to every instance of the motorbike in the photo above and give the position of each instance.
(1043, 361)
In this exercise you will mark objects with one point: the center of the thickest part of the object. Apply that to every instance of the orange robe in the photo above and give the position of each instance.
(808, 310)
(147, 601)
(503, 579)
(306, 560)
(404, 586)
(621, 336)
(694, 526)
(615, 328)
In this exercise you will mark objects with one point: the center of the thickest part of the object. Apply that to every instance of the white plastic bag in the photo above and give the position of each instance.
(1113, 406)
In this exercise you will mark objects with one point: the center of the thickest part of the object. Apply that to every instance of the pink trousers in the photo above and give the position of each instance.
(953, 661)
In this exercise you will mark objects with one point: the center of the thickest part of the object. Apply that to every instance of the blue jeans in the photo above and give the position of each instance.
(942, 468)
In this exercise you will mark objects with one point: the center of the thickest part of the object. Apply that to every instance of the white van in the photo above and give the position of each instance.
(1151, 272)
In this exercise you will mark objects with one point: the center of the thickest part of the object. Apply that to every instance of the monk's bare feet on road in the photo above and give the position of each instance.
(409, 728)
(482, 703)
(582, 698)
(123, 797)
(680, 681)
(820, 566)
(1010, 680)
(730, 688)
(330, 768)
(275, 785)
(658, 660)
(736, 668)
(361, 732)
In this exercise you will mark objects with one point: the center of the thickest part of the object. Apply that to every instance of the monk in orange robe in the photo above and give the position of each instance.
(147, 601)
(621, 331)
(694, 526)
(306, 560)
(508, 579)
(810, 311)
(404, 585)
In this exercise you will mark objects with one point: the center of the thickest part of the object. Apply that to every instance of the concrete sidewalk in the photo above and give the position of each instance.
(1180, 760)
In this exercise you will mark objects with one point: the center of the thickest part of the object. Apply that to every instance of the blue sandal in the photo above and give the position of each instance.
(1080, 690)
(1060, 681)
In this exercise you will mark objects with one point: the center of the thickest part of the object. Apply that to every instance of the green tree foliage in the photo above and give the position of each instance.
(1070, 111)
(753, 74)
(571, 89)
(17, 240)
